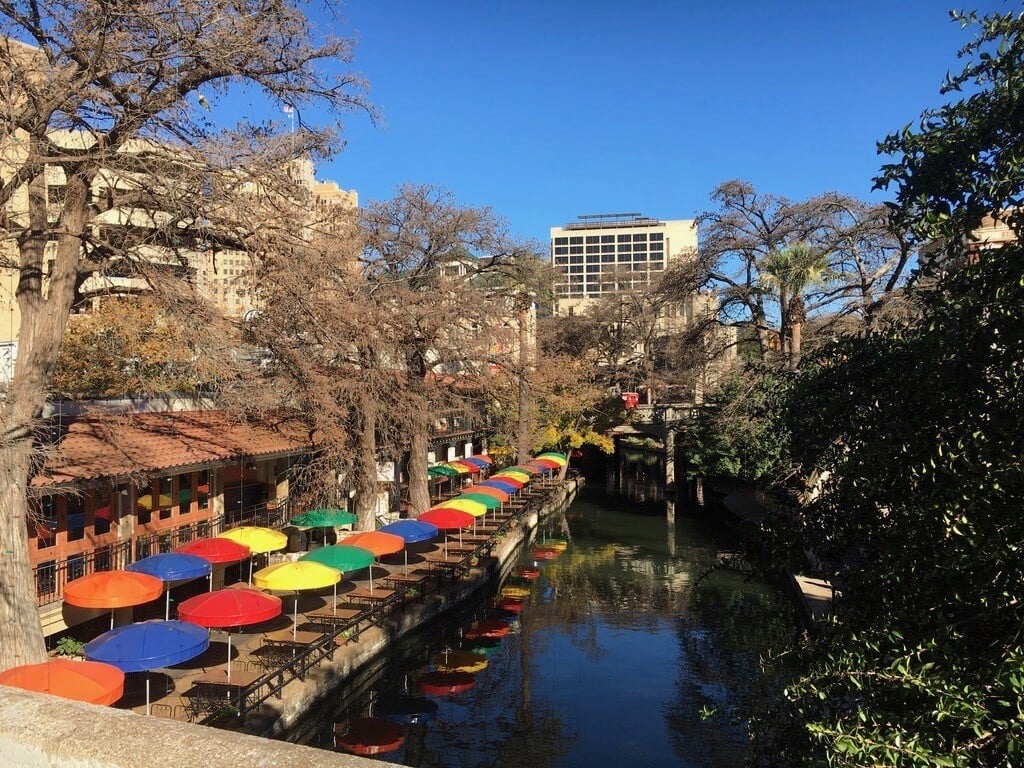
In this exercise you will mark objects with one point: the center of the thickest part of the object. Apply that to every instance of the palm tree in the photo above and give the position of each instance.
(789, 272)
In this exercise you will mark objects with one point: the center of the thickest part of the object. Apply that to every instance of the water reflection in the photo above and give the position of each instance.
(622, 643)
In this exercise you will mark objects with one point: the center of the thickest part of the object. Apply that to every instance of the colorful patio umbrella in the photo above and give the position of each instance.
(341, 557)
(515, 481)
(88, 681)
(488, 629)
(448, 519)
(549, 463)
(440, 470)
(489, 501)
(297, 576)
(558, 458)
(508, 484)
(411, 532)
(259, 540)
(475, 508)
(146, 501)
(484, 458)
(148, 645)
(227, 608)
(459, 468)
(379, 543)
(519, 474)
(508, 487)
(474, 469)
(475, 462)
(217, 550)
(324, 518)
(531, 471)
(112, 589)
(170, 567)
(489, 490)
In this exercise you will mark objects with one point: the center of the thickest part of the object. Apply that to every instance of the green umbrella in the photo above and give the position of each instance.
(486, 499)
(442, 471)
(341, 557)
(324, 518)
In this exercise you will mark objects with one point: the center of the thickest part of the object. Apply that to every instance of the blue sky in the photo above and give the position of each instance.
(547, 110)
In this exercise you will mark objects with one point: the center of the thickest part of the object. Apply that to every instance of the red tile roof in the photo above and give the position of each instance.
(110, 446)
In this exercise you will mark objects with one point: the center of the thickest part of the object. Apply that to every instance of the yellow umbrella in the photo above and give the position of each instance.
(558, 458)
(460, 661)
(518, 474)
(258, 540)
(296, 577)
(146, 502)
(460, 468)
(475, 508)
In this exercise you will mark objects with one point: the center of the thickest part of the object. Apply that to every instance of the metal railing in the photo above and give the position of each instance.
(52, 576)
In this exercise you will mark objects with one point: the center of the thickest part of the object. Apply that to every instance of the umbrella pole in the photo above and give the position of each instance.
(210, 578)
(111, 618)
(335, 598)
(147, 693)
(295, 617)
(406, 553)
(371, 576)
(167, 606)
(250, 570)
(229, 656)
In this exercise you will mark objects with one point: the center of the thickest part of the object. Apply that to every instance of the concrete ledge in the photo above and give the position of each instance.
(40, 731)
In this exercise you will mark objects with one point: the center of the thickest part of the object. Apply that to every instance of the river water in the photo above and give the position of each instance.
(635, 647)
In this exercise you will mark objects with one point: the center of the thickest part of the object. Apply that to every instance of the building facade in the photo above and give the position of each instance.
(604, 254)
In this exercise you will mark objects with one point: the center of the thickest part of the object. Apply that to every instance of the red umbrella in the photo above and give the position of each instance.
(448, 519)
(488, 629)
(546, 463)
(445, 683)
(369, 736)
(511, 604)
(216, 550)
(229, 608)
(527, 572)
(545, 553)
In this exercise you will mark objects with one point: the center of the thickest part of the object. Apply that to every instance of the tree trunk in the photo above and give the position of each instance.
(366, 467)
(523, 441)
(419, 488)
(797, 316)
(44, 316)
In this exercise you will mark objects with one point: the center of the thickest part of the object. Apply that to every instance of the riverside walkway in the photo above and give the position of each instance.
(280, 670)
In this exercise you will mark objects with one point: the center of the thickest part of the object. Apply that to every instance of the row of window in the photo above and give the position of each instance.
(639, 237)
(607, 258)
(562, 250)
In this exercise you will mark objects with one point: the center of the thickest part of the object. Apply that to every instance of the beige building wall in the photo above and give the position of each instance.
(601, 256)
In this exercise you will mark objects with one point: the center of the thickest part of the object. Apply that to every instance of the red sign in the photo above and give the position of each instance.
(630, 399)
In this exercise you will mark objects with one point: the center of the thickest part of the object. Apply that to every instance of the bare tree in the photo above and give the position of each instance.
(433, 266)
(109, 99)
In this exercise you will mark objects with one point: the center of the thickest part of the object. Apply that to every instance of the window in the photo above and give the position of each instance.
(623, 257)
(593, 248)
(575, 259)
(103, 512)
(657, 236)
(165, 497)
(607, 238)
(656, 265)
(608, 248)
(625, 248)
(76, 518)
(576, 249)
(642, 238)
(657, 246)
(576, 269)
(623, 238)
(561, 259)
(561, 241)
(607, 257)
(561, 251)
(576, 240)
(592, 238)
(45, 511)
(143, 504)
(593, 268)
(641, 256)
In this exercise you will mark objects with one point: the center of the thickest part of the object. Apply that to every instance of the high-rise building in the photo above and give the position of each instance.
(604, 254)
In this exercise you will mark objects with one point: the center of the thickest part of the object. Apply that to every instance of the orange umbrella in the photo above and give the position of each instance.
(375, 541)
(112, 589)
(88, 681)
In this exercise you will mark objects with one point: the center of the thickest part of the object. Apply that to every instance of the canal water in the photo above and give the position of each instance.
(637, 646)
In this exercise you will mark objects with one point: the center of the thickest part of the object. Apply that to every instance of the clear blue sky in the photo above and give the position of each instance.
(546, 110)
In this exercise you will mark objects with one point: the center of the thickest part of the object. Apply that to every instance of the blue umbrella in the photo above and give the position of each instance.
(172, 566)
(149, 645)
(412, 532)
(506, 487)
(476, 462)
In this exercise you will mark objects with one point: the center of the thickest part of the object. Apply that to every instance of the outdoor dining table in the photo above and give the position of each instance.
(333, 618)
(374, 597)
(288, 639)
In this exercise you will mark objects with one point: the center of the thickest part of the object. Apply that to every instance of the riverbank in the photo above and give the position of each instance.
(287, 717)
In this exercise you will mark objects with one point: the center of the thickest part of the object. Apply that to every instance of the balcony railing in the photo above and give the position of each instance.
(52, 576)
